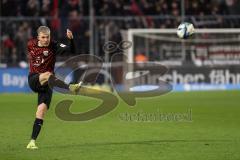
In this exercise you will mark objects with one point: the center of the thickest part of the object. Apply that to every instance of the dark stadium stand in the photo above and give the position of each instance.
(20, 18)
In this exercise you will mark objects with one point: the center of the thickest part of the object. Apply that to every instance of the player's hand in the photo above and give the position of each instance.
(69, 34)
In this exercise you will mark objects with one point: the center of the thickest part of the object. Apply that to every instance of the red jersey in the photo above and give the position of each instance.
(42, 59)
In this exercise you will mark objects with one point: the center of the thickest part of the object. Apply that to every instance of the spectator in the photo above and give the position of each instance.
(68, 13)
(22, 36)
(9, 50)
(140, 57)
(9, 7)
(46, 8)
(32, 8)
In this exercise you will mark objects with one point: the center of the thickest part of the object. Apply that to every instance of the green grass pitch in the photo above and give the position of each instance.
(213, 133)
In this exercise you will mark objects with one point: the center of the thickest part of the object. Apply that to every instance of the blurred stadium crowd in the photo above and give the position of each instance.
(20, 18)
(117, 7)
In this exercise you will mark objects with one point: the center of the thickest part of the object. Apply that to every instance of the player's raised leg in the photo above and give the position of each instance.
(49, 78)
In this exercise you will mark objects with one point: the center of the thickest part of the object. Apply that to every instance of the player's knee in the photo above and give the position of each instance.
(48, 73)
(42, 109)
(45, 76)
(40, 114)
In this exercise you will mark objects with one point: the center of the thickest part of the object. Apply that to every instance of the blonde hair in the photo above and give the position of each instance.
(43, 29)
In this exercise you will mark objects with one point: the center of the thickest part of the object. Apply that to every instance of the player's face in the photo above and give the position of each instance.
(44, 39)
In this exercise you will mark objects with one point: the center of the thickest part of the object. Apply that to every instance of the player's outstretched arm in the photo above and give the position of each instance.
(70, 48)
(70, 37)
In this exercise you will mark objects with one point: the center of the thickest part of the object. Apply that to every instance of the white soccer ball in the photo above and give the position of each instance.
(185, 30)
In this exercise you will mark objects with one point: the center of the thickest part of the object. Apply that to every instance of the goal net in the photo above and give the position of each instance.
(209, 60)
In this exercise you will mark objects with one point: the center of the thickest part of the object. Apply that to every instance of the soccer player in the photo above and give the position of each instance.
(42, 53)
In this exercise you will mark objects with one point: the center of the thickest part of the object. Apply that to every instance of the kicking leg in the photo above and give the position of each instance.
(49, 78)
(52, 81)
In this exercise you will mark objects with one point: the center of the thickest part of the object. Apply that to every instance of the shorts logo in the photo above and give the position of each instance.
(45, 53)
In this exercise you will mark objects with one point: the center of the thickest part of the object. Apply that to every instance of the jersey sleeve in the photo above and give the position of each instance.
(65, 48)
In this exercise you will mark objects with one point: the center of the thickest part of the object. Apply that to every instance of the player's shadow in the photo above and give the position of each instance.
(149, 142)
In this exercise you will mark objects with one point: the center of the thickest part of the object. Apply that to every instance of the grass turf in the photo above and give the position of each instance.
(213, 133)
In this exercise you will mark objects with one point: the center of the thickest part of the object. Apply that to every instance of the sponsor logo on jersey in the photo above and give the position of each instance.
(37, 61)
(45, 53)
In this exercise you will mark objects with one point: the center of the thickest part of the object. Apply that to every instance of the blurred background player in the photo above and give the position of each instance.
(42, 57)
